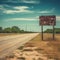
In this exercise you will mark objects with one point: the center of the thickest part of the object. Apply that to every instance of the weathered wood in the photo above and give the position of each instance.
(42, 32)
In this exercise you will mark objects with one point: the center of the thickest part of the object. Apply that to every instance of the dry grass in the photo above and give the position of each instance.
(48, 46)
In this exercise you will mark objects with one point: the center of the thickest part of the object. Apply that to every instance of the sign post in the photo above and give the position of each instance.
(47, 20)
(42, 32)
(53, 33)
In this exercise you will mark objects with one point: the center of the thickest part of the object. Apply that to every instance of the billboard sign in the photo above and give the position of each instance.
(47, 20)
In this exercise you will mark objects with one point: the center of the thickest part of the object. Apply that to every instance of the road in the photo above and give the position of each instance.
(9, 43)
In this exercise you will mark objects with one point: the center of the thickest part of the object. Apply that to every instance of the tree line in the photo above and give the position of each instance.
(13, 29)
(56, 30)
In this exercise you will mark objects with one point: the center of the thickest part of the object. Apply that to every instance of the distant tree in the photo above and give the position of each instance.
(7, 30)
(22, 31)
(15, 29)
(1, 30)
(48, 31)
(56, 30)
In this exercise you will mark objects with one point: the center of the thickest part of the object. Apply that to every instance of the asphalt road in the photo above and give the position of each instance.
(9, 43)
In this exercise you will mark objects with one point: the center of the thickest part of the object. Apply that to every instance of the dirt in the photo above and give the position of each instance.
(48, 46)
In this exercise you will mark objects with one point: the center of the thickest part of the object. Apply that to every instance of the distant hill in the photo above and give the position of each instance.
(57, 30)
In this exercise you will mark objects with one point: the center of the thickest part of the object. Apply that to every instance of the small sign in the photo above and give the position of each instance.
(47, 20)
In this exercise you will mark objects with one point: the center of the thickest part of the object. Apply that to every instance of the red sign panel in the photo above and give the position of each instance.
(47, 20)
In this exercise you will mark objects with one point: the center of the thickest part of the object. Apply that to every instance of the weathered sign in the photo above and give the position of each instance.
(47, 20)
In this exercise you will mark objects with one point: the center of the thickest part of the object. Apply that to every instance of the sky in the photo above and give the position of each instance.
(25, 13)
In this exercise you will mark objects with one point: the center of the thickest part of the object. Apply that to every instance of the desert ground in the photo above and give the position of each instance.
(48, 47)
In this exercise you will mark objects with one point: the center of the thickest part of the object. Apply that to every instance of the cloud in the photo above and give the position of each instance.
(22, 1)
(18, 9)
(10, 1)
(58, 18)
(31, 1)
(1, 7)
(47, 11)
(19, 19)
(21, 7)
(4, 7)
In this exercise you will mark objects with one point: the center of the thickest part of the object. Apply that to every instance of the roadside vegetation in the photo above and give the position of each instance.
(56, 30)
(13, 29)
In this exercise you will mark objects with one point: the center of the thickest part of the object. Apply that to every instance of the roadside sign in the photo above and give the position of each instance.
(47, 20)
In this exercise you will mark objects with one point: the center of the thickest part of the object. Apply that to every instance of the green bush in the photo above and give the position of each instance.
(56, 30)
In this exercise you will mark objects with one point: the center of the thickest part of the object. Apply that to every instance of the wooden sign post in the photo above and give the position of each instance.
(53, 33)
(42, 32)
(47, 20)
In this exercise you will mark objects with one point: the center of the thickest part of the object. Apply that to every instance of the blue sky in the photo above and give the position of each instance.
(25, 13)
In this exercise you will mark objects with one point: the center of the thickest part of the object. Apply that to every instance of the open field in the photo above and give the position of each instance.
(48, 46)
